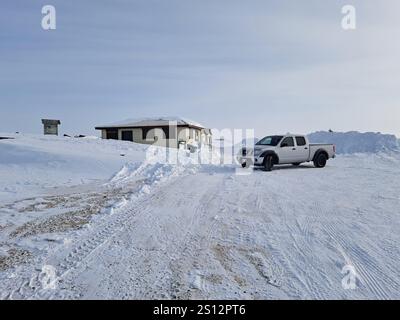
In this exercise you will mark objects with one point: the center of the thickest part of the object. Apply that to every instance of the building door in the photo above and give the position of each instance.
(127, 135)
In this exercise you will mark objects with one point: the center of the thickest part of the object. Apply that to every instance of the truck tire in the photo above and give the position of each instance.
(320, 160)
(268, 163)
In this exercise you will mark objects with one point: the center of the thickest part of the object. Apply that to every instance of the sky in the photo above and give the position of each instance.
(275, 66)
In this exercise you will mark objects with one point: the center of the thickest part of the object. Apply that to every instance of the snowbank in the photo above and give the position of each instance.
(31, 163)
(356, 142)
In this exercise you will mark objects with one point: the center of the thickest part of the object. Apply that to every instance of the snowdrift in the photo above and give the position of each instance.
(29, 163)
(356, 142)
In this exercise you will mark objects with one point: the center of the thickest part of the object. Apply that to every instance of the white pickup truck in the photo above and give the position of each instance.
(285, 149)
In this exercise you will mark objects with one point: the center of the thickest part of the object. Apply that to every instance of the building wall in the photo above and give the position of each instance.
(50, 129)
(157, 136)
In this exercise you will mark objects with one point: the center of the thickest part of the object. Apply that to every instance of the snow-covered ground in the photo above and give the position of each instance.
(78, 220)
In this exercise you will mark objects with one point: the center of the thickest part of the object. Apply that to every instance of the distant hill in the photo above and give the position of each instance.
(357, 142)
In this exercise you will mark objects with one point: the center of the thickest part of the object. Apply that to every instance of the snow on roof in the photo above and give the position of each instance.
(154, 121)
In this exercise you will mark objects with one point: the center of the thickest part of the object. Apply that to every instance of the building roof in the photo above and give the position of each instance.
(50, 121)
(152, 122)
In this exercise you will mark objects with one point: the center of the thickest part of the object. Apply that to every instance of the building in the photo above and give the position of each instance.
(167, 132)
(50, 127)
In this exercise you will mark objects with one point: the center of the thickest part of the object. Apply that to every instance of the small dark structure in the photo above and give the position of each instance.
(50, 127)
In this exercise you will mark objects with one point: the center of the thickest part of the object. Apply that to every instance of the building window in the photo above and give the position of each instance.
(127, 135)
(112, 134)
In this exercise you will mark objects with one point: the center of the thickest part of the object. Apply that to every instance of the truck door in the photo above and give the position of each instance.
(302, 150)
(287, 151)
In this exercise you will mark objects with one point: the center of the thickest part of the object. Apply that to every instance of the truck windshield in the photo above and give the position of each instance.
(270, 141)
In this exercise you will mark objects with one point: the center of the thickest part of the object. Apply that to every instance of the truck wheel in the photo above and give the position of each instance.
(296, 164)
(320, 160)
(268, 163)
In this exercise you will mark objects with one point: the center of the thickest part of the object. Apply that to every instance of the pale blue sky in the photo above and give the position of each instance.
(275, 66)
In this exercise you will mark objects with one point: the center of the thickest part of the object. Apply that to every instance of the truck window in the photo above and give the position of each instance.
(301, 141)
(287, 142)
(269, 141)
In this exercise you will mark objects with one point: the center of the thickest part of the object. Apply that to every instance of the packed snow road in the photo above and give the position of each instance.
(208, 233)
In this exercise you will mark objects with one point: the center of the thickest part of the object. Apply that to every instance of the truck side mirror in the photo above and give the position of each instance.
(283, 145)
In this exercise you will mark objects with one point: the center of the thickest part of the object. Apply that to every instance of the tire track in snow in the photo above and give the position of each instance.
(140, 278)
(192, 247)
(368, 271)
(240, 249)
(31, 287)
(141, 211)
(186, 248)
(302, 247)
(77, 256)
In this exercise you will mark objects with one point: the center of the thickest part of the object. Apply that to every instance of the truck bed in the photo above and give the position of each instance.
(329, 148)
